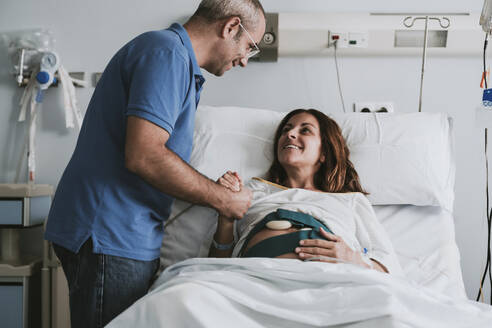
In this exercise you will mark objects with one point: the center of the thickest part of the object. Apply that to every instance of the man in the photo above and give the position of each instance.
(106, 221)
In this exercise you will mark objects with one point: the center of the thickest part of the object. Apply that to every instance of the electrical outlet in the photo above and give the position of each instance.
(341, 38)
(374, 107)
(348, 39)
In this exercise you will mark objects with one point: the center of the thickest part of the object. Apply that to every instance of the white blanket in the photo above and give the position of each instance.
(258, 292)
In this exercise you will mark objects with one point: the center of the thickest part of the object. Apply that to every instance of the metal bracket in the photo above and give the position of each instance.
(75, 75)
(95, 78)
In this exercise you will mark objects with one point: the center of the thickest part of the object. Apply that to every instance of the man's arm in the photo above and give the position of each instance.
(147, 156)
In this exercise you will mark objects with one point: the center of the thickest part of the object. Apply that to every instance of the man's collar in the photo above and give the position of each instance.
(185, 38)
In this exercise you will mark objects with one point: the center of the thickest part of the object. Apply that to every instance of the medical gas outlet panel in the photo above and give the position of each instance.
(269, 44)
(378, 34)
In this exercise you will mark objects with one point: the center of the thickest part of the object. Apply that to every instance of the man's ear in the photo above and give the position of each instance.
(230, 27)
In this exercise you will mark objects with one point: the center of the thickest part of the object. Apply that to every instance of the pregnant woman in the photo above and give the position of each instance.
(311, 206)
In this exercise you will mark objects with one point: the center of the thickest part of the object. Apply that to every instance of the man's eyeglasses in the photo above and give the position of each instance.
(251, 52)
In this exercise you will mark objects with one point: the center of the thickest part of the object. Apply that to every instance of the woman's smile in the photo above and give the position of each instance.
(291, 146)
(300, 142)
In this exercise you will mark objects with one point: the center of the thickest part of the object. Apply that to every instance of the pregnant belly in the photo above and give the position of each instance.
(268, 233)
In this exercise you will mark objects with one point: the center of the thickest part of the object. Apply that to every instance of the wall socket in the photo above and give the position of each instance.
(374, 107)
(348, 39)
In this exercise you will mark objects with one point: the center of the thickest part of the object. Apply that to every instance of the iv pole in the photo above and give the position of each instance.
(409, 22)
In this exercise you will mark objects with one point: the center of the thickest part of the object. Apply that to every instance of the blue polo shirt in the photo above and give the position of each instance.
(155, 77)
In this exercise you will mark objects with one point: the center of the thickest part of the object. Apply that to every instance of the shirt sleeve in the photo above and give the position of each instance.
(158, 84)
(372, 236)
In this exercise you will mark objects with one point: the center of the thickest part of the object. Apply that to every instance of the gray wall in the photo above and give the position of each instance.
(89, 32)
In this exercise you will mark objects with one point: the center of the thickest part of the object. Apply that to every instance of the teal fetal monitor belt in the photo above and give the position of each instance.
(286, 243)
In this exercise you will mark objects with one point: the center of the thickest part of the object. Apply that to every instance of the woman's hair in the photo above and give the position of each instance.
(337, 173)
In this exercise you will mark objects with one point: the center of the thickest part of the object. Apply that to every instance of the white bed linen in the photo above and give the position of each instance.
(424, 241)
(288, 293)
(422, 236)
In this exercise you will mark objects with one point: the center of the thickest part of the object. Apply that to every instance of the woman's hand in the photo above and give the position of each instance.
(334, 247)
(231, 180)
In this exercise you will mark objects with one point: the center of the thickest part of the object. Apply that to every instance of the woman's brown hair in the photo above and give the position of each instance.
(337, 173)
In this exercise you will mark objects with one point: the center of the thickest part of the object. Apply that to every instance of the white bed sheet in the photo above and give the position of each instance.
(233, 292)
(424, 241)
(423, 238)
(265, 292)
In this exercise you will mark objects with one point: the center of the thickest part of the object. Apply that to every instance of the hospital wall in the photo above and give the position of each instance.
(88, 33)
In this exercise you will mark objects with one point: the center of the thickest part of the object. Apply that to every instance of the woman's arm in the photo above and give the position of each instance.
(371, 234)
(373, 264)
(378, 266)
(223, 235)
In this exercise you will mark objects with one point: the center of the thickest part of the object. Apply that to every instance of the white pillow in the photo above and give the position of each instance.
(400, 158)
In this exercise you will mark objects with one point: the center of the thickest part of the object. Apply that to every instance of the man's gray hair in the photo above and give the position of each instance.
(249, 11)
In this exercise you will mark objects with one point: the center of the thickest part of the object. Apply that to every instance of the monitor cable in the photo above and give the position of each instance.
(338, 77)
(488, 268)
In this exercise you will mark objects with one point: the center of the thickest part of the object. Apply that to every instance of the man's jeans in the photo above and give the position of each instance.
(102, 286)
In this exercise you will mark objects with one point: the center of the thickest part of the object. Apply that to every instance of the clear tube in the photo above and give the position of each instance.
(34, 42)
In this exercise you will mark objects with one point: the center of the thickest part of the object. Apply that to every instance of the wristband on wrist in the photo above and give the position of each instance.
(222, 247)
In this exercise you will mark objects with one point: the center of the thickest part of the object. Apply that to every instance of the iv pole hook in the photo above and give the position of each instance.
(409, 21)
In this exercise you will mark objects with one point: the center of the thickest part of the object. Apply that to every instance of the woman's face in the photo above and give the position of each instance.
(299, 145)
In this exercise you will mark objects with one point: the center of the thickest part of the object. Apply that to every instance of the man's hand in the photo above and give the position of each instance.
(239, 199)
(238, 205)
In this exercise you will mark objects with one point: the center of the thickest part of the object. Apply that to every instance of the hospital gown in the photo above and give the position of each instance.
(349, 215)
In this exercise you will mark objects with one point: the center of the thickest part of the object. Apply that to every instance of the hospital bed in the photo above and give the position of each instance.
(405, 162)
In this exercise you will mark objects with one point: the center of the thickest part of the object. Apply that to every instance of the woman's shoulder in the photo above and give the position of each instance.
(349, 194)
(261, 187)
(262, 183)
(357, 199)
(360, 200)
(360, 196)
